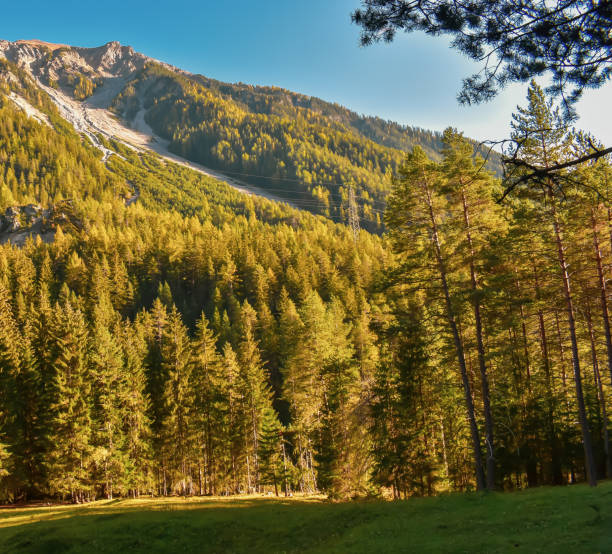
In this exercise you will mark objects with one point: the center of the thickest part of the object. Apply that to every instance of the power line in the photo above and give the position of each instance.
(353, 214)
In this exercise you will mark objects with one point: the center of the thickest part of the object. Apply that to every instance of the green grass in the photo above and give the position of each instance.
(564, 519)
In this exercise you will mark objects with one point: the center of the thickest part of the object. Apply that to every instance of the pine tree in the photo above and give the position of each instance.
(256, 396)
(109, 391)
(470, 188)
(154, 325)
(272, 463)
(135, 406)
(341, 468)
(544, 140)
(305, 343)
(400, 459)
(415, 217)
(29, 427)
(10, 364)
(236, 421)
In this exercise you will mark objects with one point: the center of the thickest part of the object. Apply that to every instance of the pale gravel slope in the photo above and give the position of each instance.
(30, 110)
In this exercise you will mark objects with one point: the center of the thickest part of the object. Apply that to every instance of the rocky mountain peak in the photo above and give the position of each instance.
(112, 59)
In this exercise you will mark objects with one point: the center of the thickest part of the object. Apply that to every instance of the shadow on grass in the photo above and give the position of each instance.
(216, 526)
(563, 519)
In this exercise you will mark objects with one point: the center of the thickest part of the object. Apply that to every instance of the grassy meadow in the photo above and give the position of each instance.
(564, 519)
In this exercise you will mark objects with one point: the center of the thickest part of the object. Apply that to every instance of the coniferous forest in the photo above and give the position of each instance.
(202, 341)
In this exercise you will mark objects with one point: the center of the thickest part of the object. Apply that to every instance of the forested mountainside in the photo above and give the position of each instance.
(284, 103)
(191, 258)
(173, 335)
(298, 147)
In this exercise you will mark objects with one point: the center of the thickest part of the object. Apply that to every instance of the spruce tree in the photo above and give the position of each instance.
(135, 406)
(256, 396)
(178, 423)
(211, 392)
(109, 391)
(341, 467)
(10, 365)
(272, 463)
(71, 424)
(236, 422)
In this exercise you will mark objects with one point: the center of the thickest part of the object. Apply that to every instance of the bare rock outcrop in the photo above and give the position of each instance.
(22, 222)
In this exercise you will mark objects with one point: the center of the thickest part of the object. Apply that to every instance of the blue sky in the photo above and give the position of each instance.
(308, 46)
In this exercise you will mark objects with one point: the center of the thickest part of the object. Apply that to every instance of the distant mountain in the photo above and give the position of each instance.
(297, 148)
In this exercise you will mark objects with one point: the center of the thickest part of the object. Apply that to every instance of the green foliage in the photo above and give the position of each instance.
(83, 87)
(272, 462)
(204, 341)
(38, 165)
(147, 395)
(519, 44)
(71, 427)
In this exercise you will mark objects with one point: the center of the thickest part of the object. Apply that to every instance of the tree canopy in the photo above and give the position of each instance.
(515, 39)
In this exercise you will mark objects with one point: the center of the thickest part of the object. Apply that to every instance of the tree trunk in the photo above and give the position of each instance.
(444, 455)
(562, 352)
(600, 393)
(450, 316)
(284, 468)
(524, 332)
(200, 476)
(481, 353)
(556, 473)
(586, 435)
(602, 291)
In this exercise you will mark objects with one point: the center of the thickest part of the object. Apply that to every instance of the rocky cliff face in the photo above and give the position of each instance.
(53, 61)
(75, 70)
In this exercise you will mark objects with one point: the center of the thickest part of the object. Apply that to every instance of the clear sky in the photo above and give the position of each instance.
(308, 46)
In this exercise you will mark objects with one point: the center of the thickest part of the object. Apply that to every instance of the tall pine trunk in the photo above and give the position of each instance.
(602, 291)
(484, 380)
(601, 399)
(589, 460)
(557, 475)
(452, 322)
